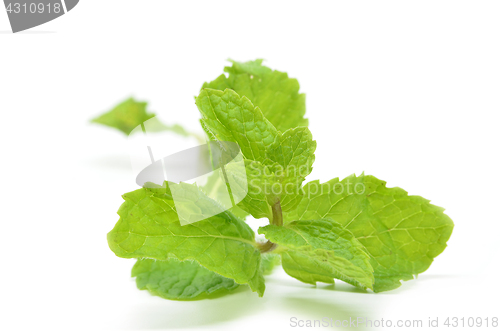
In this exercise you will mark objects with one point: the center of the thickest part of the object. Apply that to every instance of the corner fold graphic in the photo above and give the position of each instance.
(25, 15)
(70, 4)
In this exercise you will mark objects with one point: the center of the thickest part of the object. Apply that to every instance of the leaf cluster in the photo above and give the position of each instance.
(356, 229)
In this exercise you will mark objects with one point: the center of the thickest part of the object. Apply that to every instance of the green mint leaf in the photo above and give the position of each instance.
(253, 68)
(229, 117)
(273, 92)
(179, 280)
(277, 163)
(269, 262)
(321, 250)
(149, 227)
(403, 234)
(293, 157)
(130, 113)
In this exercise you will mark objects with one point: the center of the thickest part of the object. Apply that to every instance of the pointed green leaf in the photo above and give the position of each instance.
(293, 157)
(149, 227)
(281, 160)
(179, 280)
(272, 91)
(403, 234)
(229, 117)
(321, 250)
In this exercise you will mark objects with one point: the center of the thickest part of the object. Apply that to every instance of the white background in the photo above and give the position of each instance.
(406, 91)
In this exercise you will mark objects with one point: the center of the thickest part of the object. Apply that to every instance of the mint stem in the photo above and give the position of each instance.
(266, 247)
(277, 214)
(269, 246)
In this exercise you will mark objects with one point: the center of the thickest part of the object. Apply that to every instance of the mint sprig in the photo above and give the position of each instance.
(356, 230)
(273, 159)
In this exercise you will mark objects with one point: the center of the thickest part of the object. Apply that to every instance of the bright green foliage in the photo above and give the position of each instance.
(321, 250)
(277, 163)
(190, 246)
(179, 280)
(149, 228)
(130, 113)
(403, 234)
(272, 91)
(229, 117)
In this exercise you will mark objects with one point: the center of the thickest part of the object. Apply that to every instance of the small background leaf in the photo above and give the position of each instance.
(129, 114)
